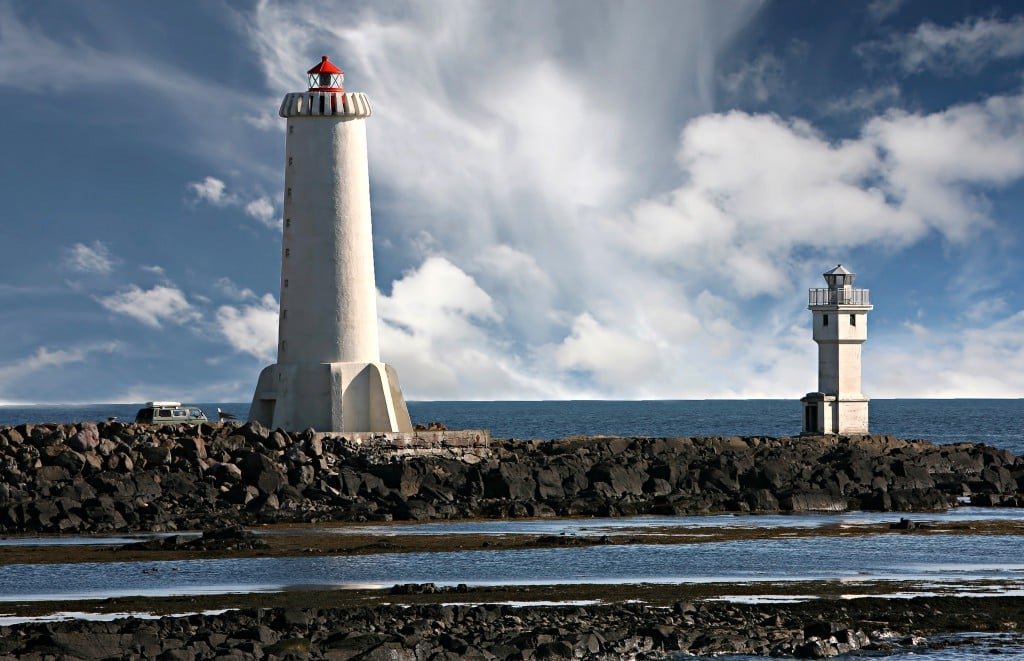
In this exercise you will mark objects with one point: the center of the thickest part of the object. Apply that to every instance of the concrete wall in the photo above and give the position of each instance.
(839, 349)
(840, 331)
(328, 293)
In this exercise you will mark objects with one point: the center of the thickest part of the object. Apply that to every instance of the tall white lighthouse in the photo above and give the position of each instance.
(840, 317)
(328, 374)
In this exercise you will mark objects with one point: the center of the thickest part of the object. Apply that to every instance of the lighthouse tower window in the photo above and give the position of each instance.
(853, 320)
(824, 320)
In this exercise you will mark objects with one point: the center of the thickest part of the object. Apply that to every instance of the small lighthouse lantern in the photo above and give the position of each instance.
(326, 77)
(838, 278)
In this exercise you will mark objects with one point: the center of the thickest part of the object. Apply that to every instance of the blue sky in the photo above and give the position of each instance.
(571, 200)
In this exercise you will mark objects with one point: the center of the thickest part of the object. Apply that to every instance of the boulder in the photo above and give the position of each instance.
(155, 455)
(85, 440)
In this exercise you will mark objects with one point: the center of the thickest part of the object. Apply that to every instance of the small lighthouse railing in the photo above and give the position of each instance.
(825, 296)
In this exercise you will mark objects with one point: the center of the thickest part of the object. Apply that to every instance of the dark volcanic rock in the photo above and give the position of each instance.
(124, 476)
(815, 629)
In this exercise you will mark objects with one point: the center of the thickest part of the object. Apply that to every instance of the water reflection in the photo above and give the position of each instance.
(931, 560)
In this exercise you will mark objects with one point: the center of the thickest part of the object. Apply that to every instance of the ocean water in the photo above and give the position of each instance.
(914, 564)
(996, 422)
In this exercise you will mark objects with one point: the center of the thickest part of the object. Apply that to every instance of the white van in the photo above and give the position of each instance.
(169, 412)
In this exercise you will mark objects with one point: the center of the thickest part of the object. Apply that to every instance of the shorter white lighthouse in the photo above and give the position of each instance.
(840, 318)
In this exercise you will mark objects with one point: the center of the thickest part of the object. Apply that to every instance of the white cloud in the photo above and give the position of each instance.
(215, 192)
(593, 230)
(45, 358)
(229, 289)
(986, 308)
(966, 46)
(152, 306)
(212, 190)
(181, 102)
(759, 79)
(93, 258)
(984, 360)
(759, 188)
(262, 209)
(251, 328)
(880, 10)
(865, 100)
(611, 356)
(436, 328)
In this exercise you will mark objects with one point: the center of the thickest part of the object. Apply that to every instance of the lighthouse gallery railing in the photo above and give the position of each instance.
(825, 296)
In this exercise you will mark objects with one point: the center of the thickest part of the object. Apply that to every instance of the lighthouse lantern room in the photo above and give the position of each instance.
(326, 77)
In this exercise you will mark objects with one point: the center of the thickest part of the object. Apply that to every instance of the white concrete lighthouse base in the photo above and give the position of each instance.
(330, 397)
(829, 414)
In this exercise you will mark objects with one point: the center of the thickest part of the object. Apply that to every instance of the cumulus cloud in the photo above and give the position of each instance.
(162, 303)
(619, 239)
(965, 46)
(985, 360)
(437, 328)
(611, 355)
(92, 258)
(215, 192)
(759, 188)
(212, 190)
(262, 209)
(250, 328)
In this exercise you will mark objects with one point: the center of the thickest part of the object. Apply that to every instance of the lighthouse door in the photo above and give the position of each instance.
(811, 418)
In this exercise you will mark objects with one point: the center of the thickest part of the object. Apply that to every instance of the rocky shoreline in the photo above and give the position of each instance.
(120, 477)
(813, 629)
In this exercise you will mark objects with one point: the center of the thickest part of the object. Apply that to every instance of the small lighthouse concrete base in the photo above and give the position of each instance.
(346, 397)
(830, 414)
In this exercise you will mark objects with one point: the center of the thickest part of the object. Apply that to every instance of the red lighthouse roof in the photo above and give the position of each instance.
(325, 66)
(326, 77)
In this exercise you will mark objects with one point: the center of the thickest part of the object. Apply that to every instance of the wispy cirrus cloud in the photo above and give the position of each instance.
(152, 307)
(46, 358)
(963, 47)
(90, 65)
(89, 258)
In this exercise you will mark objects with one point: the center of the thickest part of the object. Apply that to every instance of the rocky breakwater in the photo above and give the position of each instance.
(124, 477)
(807, 630)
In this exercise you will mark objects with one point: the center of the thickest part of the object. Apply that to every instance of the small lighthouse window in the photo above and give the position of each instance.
(824, 320)
(853, 320)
